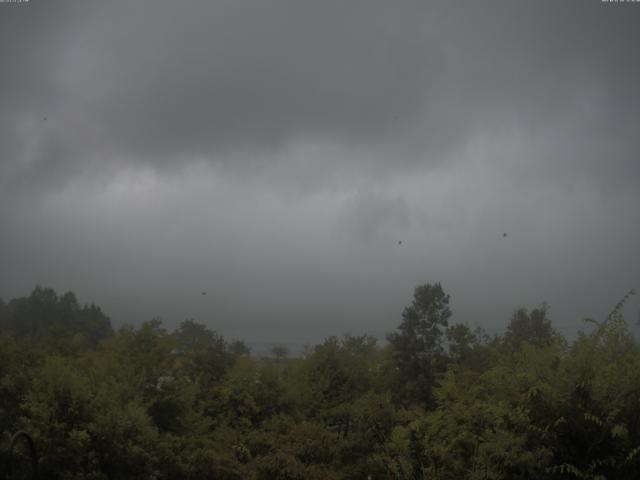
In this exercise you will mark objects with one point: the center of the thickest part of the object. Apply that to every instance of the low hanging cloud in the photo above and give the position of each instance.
(161, 83)
(154, 149)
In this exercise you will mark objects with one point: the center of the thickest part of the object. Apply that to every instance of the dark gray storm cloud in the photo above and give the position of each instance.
(274, 153)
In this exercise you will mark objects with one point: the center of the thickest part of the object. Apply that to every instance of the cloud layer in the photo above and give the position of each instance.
(274, 153)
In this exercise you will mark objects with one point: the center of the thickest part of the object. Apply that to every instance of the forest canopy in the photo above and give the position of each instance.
(437, 400)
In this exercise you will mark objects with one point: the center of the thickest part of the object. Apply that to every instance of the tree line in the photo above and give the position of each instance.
(439, 400)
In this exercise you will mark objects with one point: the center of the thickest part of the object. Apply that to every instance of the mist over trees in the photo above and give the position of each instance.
(439, 400)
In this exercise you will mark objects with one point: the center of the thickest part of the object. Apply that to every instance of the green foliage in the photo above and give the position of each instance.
(202, 354)
(418, 348)
(56, 322)
(83, 430)
(438, 402)
(529, 327)
(339, 370)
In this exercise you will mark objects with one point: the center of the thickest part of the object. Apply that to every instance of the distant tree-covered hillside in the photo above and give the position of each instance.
(47, 318)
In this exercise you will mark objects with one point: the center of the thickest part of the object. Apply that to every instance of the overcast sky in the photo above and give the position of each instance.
(273, 154)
